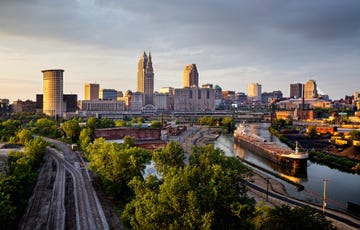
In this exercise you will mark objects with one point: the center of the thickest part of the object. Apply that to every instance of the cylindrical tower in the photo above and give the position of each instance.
(53, 92)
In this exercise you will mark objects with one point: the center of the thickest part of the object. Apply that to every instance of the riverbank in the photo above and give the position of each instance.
(202, 135)
(318, 153)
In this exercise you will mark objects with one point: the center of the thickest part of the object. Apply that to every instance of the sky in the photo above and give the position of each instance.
(232, 42)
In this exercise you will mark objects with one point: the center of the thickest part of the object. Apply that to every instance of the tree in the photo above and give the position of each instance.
(355, 134)
(228, 123)
(23, 136)
(71, 129)
(107, 123)
(117, 165)
(206, 194)
(120, 123)
(8, 129)
(86, 137)
(311, 131)
(93, 123)
(47, 127)
(171, 156)
(155, 124)
(129, 142)
(36, 149)
(285, 217)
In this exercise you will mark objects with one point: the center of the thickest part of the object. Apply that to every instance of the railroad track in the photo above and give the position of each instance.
(47, 207)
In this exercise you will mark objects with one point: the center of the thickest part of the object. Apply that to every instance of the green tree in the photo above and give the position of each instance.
(120, 123)
(36, 149)
(355, 134)
(107, 123)
(129, 142)
(117, 165)
(86, 137)
(93, 123)
(311, 131)
(206, 194)
(228, 123)
(23, 136)
(285, 217)
(8, 129)
(155, 124)
(171, 156)
(47, 127)
(72, 130)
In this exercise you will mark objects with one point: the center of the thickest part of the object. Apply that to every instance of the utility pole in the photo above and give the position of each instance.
(324, 198)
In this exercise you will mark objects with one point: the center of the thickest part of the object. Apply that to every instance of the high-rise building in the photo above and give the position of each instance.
(108, 94)
(191, 76)
(310, 90)
(91, 91)
(53, 92)
(146, 78)
(296, 90)
(194, 99)
(254, 92)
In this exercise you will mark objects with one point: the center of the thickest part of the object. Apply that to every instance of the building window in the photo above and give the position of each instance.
(199, 94)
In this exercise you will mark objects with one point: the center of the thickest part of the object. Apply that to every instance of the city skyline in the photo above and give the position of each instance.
(233, 44)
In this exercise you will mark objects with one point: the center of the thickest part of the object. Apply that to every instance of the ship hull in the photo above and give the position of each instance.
(267, 151)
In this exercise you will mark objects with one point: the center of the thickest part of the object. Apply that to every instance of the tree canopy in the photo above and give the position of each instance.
(72, 129)
(205, 194)
(117, 164)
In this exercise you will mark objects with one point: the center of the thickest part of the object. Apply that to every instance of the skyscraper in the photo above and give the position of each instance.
(296, 90)
(146, 78)
(191, 76)
(254, 92)
(91, 91)
(310, 90)
(53, 92)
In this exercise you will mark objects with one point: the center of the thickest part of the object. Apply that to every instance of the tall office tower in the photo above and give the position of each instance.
(296, 90)
(108, 94)
(91, 91)
(53, 92)
(310, 90)
(191, 76)
(146, 78)
(254, 92)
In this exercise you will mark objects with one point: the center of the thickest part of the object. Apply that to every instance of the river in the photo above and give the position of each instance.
(341, 187)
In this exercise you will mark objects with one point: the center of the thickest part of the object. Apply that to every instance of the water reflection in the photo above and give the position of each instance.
(341, 187)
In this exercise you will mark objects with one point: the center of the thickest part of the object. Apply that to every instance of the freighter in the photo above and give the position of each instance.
(270, 150)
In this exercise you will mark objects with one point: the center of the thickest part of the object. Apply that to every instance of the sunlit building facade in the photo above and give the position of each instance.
(145, 82)
(91, 91)
(53, 92)
(254, 92)
(191, 76)
(310, 90)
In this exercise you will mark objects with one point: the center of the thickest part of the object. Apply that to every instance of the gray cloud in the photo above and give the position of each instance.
(276, 37)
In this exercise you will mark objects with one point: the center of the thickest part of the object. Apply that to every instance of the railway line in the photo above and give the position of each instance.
(49, 207)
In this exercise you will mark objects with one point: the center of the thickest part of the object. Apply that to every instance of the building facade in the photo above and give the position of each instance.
(108, 94)
(145, 82)
(296, 90)
(193, 99)
(53, 92)
(191, 76)
(27, 106)
(254, 92)
(91, 91)
(310, 90)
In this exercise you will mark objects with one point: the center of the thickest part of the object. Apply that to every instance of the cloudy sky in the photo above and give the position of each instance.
(232, 42)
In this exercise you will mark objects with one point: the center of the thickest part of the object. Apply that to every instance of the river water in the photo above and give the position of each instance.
(340, 187)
